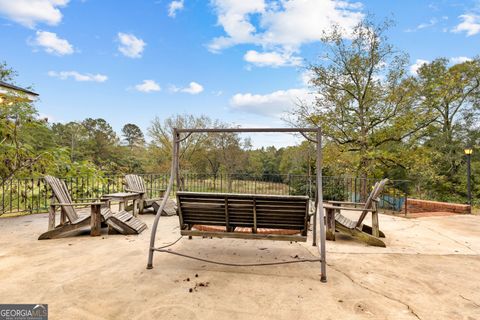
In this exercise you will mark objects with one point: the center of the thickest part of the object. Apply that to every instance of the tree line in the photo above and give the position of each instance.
(378, 119)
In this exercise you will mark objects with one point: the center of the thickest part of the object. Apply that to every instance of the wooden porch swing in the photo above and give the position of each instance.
(233, 214)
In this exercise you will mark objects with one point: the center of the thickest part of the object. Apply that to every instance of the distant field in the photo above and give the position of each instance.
(237, 186)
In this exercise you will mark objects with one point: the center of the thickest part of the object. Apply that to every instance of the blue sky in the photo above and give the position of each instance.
(238, 61)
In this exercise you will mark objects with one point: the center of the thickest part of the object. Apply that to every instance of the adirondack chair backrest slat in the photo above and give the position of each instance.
(379, 189)
(60, 191)
(135, 183)
(376, 191)
(369, 202)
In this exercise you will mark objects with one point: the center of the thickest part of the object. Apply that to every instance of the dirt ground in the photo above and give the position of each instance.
(429, 270)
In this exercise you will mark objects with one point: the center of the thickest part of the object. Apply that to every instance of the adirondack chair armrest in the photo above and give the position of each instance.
(77, 204)
(346, 202)
(135, 191)
(348, 208)
(90, 199)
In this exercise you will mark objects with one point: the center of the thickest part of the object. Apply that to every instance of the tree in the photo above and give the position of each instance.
(299, 160)
(72, 135)
(101, 143)
(452, 94)
(200, 152)
(265, 162)
(228, 149)
(161, 134)
(18, 154)
(7, 74)
(134, 154)
(133, 135)
(26, 144)
(364, 99)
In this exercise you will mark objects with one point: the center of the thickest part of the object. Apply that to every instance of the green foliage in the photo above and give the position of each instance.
(364, 98)
(18, 155)
(28, 147)
(378, 122)
(7, 74)
(100, 143)
(72, 135)
(133, 135)
(161, 134)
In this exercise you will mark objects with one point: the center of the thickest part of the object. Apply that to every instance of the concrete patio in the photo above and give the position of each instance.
(429, 270)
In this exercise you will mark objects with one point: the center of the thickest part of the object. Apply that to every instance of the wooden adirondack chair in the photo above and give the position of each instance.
(135, 183)
(360, 231)
(122, 222)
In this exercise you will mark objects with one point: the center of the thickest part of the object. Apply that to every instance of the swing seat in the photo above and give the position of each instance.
(236, 213)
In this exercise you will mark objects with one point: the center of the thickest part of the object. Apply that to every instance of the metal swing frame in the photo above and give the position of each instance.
(174, 176)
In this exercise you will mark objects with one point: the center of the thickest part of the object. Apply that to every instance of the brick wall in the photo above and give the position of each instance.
(416, 205)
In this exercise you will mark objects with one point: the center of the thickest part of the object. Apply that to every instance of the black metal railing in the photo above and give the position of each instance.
(32, 195)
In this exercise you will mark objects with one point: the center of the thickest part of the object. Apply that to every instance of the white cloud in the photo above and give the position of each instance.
(304, 21)
(418, 63)
(271, 59)
(456, 60)
(51, 43)
(130, 46)
(64, 75)
(470, 24)
(284, 24)
(148, 86)
(280, 27)
(306, 77)
(193, 88)
(428, 24)
(234, 17)
(175, 6)
(273, 104)
(431, 23)
(31, 12)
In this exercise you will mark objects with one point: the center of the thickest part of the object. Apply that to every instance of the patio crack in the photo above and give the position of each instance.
(370, 289)
(451, 239)
(377, 292)
(470, 300)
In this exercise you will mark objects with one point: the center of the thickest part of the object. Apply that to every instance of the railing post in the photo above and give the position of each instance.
(3, 196)
(406, 200)
(288, 183)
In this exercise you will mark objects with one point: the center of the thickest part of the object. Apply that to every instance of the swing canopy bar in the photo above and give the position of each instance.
(252, 130)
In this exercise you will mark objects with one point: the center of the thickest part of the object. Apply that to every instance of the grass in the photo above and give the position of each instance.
(237, 186)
